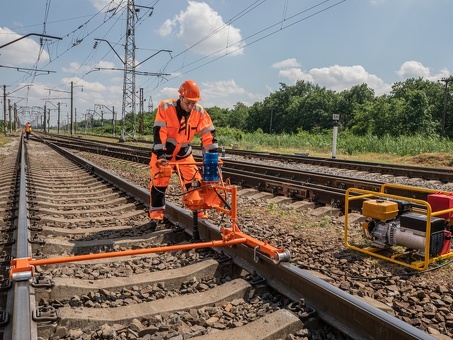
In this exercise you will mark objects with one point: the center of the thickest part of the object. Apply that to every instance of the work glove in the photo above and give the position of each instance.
(162, 160)
(164, 168)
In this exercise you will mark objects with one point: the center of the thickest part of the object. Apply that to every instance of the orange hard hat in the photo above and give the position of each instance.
(189, 89)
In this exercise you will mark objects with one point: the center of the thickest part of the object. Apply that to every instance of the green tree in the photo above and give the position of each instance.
(237, 117)
(350, 100)
(218, 115)
(312, 112)
(386, 116)
(424, 100)
(254, 120)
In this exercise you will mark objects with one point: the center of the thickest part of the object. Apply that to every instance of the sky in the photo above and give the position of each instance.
(236, 50)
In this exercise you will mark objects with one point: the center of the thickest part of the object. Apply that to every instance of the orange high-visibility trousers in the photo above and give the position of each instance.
(158, 184)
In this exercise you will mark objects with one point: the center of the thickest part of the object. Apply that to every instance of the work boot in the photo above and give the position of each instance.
(157, 215)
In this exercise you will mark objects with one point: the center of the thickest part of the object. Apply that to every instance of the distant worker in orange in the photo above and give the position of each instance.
(176, 124)
(27, 130)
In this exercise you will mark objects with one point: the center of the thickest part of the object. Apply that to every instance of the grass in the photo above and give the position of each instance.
(414, 150)
(4, 140)
(411, 150)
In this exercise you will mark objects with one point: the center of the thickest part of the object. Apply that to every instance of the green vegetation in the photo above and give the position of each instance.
(4, 140)
(415, 118)
(347, 143)
(414, 107)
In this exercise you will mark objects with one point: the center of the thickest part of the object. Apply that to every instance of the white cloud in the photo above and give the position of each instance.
(412, 69)
(226, 94)
(105, 64)
(168, 93)
(295, 74)
(336, 77)
(415, 69)
(223, 88)
(85, 85)
(223, 93)
(166, 28)
(202, 29)
(21, 52)
(209, 90)
(342, 77)
(339, 78)
(288, 63)
(75, 67)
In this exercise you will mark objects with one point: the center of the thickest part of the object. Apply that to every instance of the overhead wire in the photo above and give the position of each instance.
(218, 29)
(79, 39)
(244, 40)
(236, 17)
(117, 43)
(91, 54)
(285, 10)
(263, 30)
(41, 47)
(117, 10)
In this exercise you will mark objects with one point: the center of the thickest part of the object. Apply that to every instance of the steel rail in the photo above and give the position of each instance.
(298, 184)
(21, 314)
(345, 312)
(427, 173)
(277, 185)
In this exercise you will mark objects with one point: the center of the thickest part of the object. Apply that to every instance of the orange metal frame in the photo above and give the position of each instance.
(216, 195)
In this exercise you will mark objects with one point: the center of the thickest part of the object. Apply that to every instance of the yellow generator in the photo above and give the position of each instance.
(413, 232)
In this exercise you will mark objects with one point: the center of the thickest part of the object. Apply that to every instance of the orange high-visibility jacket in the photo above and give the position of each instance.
(173, 134)
(27, 128)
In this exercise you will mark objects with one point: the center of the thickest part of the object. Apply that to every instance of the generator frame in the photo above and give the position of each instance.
(419, 265)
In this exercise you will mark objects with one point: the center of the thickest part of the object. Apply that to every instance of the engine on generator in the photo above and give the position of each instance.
(393, 223)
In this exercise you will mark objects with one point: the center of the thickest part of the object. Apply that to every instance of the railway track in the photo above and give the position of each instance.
(444, 175)
(314, 184)
(72, 210)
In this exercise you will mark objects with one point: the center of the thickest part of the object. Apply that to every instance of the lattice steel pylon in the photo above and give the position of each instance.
(129, 68)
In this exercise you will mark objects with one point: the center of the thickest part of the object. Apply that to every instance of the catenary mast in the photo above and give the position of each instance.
(129, 68)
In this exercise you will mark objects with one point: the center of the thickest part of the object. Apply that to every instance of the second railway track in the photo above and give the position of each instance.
(418, 173)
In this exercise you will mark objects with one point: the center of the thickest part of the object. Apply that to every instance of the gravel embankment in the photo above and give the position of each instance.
(422, 299)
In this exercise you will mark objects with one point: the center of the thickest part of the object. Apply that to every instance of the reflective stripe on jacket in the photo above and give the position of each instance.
(173, 135)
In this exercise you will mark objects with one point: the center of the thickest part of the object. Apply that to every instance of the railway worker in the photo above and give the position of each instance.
(176, 124)
(27, 130)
